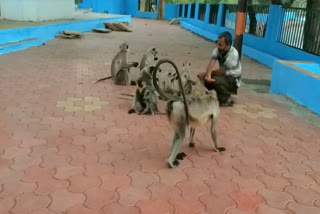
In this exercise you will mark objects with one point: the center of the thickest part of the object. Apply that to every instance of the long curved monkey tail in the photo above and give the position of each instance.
(165, 95)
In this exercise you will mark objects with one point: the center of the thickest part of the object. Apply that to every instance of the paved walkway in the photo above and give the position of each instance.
(69, 146)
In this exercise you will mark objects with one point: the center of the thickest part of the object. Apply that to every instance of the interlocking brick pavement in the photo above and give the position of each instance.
(68, 145)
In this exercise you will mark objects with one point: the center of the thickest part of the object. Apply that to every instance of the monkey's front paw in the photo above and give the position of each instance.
(136, 64)
(139, 83)
(191, 144)
(174, 164)
(131, 111)
(181, 155)
(220, 149)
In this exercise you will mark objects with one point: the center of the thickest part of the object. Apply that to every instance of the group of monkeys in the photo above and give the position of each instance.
(189, 102)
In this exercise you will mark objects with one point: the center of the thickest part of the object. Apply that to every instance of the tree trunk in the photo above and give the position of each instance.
(252, 17)
(276, 2)
(147, 6)
(161, 9)
(312, 28)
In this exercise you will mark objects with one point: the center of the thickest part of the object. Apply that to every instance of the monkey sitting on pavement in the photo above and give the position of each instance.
(120, 68)
(146, 101)
(195, 111)
(149, 58)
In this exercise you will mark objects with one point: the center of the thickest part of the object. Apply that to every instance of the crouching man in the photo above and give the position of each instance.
(224, 76)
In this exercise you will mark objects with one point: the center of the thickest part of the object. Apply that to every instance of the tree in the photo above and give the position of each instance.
(252, 12)
(161, 10)
(252, 17)
(286, 3)
(312, 28)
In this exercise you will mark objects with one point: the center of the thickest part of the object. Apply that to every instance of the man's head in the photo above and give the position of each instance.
(224, 42)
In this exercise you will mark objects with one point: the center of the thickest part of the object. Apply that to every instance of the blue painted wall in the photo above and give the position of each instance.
(102, 6)
(171, 11)
(301, 87)
(129, 7)
(132, 8)
(85, 4)
(48, 32)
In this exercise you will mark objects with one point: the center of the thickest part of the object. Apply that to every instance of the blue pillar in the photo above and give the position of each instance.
(220, 21)
(171, 11)
(196, 13)
(207, 18)
(183, 8)
(274, 23)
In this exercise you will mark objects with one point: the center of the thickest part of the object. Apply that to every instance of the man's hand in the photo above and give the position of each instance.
(208, 79)
(210, 68)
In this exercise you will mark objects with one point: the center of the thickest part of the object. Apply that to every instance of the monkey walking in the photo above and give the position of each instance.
(120, 68)
(194, 111)
(146, 101)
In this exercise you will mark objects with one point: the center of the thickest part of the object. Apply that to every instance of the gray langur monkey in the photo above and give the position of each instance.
(173, 85)
(120, 68)
(145, 101)
(194, 111)
(149, 58)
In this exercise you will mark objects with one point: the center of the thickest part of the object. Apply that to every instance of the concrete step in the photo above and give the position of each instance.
(20, 45)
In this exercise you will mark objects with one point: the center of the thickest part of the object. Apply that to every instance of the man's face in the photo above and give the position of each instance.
(222, 47)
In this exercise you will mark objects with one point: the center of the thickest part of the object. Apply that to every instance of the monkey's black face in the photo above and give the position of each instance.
(186, 64)
(124, 47)
(151, 70)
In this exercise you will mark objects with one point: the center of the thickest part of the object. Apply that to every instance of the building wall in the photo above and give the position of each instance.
(132, 8)
(128, 7)
(104, 6)
(37, 10)
(263, 49)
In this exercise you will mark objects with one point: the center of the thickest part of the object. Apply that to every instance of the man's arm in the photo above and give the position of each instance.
(210, 68)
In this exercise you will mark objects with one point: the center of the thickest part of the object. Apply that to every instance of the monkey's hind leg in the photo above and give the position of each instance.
(131, 111)
(191, 142)
(146, 110)
(214, 135)
(176, 145)
(154, 108)
(127, 76)
(137, 102)
(120, 78)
